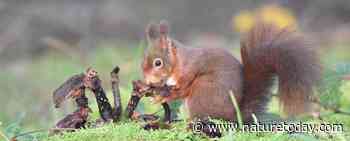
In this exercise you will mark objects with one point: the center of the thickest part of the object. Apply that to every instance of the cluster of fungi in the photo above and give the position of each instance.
(75, 86)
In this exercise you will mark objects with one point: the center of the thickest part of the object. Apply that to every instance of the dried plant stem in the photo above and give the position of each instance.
(238, 112)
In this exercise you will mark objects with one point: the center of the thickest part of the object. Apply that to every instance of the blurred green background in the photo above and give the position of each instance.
(44, 42)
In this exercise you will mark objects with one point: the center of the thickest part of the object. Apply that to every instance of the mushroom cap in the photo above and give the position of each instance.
(69, 89)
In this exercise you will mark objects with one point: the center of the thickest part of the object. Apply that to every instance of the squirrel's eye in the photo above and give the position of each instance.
(157, 63)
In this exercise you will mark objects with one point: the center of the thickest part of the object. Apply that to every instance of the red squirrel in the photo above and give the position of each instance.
(204, 77)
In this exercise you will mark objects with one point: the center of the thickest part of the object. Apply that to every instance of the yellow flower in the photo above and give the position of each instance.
(277, 16)
(271, 14)
(244, 21)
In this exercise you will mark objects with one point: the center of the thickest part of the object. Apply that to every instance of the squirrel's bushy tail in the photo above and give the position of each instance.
(270, 52)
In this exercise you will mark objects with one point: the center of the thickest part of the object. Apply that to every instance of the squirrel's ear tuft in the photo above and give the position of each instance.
(164, 27)
(152, 31)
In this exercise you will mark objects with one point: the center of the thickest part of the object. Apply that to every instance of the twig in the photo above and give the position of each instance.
(63, 129)
(37, 131)
(27, 133)
(59, 45)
